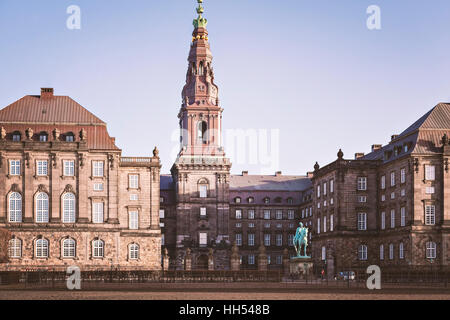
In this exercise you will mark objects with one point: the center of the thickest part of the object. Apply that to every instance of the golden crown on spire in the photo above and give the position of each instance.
(200, 22)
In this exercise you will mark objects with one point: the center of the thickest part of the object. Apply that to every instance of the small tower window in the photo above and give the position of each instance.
(202, 132)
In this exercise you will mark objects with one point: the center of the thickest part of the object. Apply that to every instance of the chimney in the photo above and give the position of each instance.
(376, 147)
(46, 93)
(245, 173)
(394, 136)
(359, 155)
(278, 173)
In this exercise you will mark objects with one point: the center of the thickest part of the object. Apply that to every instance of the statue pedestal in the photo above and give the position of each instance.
(301, 266)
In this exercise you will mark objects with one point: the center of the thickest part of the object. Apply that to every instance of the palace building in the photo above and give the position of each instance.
(69, 197)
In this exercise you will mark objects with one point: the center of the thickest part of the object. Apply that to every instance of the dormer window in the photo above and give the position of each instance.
(250, 200)
(266, 200)
(43, 137)
(278, 200)
(16, 136)
(70, 137)
(237, 200)
(290, 200)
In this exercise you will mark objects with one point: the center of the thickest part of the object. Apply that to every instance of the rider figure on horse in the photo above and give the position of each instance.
(301, 238)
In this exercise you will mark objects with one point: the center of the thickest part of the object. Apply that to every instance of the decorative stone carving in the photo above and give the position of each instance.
(29, 132)
(14, 188)
(340, 154)
(111, 161)
(81, 159)
(445, 140)
(416, 165)
(445, 164)
(27, 159)
(69, 189)
(316, 167)
(42, 188)
(156, 152)
(53, 159)
(56, 134)
(2, 133)
(83, 135)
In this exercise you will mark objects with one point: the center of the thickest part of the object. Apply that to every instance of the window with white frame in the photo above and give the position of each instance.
(16, 137)
(303, 213)
(324, 253)
(251, 225)
(332, 222)
(325, 224)
(279, 239)
(203, 190)
(318, 191)
(279, 259)
(69, 208)
(251, 259)
(381, 252)
(291, 214)
(402, 192)
(98, 249)
(383, 182)
(392, 218)
(267, 240)
(403, 175)
(41, 248)
(134, 220)
(431, 250)
(429, 190)
(362, 221)
(69, 248)
(98, 186)
(134, 197)
(14, 167)
(15, 248)
(133, 181)
(279, 214)
(41, 167)
(324, 188)
(362, 199)
(133, 252)
(430, 173)
(392, 195)
(42, 208)
(251, 239)
(238, 239)
(15, 207)
(318, 225)
(238, 214)
(162, 213)
(97, 212)
(331, 186)
(203, 238)
(251, 214)
(430, 215)
(401, 251)
(331, 201)
(362, 183)
(391, 251)
(290, 240)
(69, 168)
(383, 220)
(362, 252)
(202, 211)
(267, 214)
(392, 179)
(402, 216)
(383, 198)
(97, 168)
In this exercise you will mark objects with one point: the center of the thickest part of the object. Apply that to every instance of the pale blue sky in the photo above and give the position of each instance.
(309, 68)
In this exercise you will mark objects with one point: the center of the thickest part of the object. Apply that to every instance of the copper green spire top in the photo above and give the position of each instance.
(200, 22)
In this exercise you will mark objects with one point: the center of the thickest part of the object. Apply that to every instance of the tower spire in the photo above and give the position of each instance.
(200, 22)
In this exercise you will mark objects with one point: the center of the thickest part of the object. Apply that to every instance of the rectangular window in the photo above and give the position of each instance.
(291, 214)
(324, 188)
(97, 168)
(98, 186)
(429, 190)
(332, 222)
(203, 191)
(324, 224)
(362, 199)
(290, 240)
(383, 182)
(362, 221)
(383, 220)
(42, 168)
(391, 251)
(429, 173)
(401, 251)
(324, 253)
(16, 137)
(14, 167)
(431, 250)
(392, 218)
(134, 220)
(279, 240)
(267, 240)
(251, 225)
(303, 213)
(134, 197)
(238, 214)
(133, 181)
(383, 197)
(402, 216)
(203, 212)
(331, 186)
(362, 183)
(430, 215)
(251, 239)
(381, 252)
(403, 175)
(239, 239)
(392, 195)
(239, 225)
(251, 259)
(318, 191)
(392, 179)
(69, 168)
(163, 239)
(97, 214)
(203, 238)
(279, 214)
(318, 225)
(267, 214)
(251, 214)
(402, 192)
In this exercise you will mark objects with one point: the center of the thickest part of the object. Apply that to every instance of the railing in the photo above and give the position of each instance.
(137, 161)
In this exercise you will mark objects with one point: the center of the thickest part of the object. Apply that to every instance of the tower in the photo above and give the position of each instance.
(201, 171)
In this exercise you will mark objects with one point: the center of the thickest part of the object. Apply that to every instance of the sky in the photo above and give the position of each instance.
(309, 72)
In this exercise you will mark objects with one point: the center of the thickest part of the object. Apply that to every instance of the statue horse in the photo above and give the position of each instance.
(301, 238)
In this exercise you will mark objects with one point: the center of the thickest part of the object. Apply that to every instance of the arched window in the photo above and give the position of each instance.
(68, 208)
(237, 200)
(201, 69)
(15, 248)
(202, 132)
(42, 208)
(15, 207)
(133, 251)
(203, 188)
(362, 252)
(98, 249)
(41, 248)
(69, 248)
